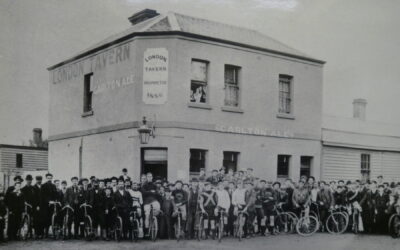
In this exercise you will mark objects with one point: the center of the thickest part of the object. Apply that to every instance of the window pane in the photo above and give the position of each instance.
(283, 166)
(197, 160)
(199, 71)
(198, 92)
(230, 160)
(285, 94)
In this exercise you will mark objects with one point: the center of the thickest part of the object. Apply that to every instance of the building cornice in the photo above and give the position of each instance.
(183, 34)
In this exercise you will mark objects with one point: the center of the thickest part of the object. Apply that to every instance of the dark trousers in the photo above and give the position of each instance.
(38, 223)
(191, 222)
(166, 226)
(14, 221)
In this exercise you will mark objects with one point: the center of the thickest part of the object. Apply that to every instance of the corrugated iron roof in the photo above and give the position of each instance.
(205, 28)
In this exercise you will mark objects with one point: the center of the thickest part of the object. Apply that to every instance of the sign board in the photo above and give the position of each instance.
(155, 76)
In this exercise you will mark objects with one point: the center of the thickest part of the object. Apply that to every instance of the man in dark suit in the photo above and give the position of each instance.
(71, 199)
(37, 217)
(84, 197)
(15, 203)
(48, 196)
(98, 195)
(30, 197)
(123, 203)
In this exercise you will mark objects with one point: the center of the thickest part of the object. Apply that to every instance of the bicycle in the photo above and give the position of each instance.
(178, 225)
(117, 226)
(153, 224)
(88, 225)
(337, 221)
(133, 218)
(355, 215)
(221, 223)
(239, 224)
(26, 226)
(55, 225)
(285, 222)
(200, 233)
(67, 221)
(307, 224)
(394, 225)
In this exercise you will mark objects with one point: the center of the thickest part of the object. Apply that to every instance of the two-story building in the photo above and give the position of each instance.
(215, 94)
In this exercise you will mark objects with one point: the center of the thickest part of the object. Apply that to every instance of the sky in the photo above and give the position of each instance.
(359, 40)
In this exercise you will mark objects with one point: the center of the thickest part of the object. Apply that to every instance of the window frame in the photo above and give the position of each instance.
(88, 94)
(206, 103)
(365, 166)
(278, 166)
(205, 156)
(236, 84)
(19, 158)
(236, 154)
(290, 80)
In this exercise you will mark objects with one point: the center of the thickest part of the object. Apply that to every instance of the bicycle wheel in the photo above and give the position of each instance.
(135, 230)
(55, 228)
(88, 228)
(285, 223)
(240, 227)
(307, 225)
(24, 229)
(200, 228)
(118, 229)
(178, 228)
(153, 228)
(65, 227)
(221, 229)
(336, 223)
(394, 225)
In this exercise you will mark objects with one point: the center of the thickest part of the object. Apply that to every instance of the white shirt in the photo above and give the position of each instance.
(137, 199)
(224, 200)
(238, 197)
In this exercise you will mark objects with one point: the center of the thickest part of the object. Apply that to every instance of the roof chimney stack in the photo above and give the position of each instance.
(143, 15)
(359, 108)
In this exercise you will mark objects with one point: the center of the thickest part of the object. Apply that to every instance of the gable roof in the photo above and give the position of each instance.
(174, 23)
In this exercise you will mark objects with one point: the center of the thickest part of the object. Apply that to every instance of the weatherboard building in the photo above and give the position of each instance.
(213, 95)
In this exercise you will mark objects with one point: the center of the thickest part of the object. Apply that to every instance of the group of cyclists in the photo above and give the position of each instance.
(219, 204)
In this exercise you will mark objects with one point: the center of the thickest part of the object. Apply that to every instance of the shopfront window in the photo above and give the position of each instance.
(232, 86)
(198, 83)
(283, 166)
(230, 160)
(197, 161)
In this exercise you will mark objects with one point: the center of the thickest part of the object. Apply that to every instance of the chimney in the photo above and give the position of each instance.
(37, 137)
(359, 108)
(143, 15)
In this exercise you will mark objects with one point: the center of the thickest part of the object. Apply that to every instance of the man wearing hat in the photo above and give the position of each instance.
(98, 196)
(208, 203)
(16, 203)
(202, 176)
(37, 216)
(125, 174)
(30, 197)
(48, 196)
(123, 202)
(193, 198)
(71, 199)
(180, 200)
(381, 200)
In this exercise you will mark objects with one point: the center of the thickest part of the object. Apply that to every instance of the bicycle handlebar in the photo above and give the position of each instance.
(28, 205)
(68, 207)
(53, 203)
(85, 205)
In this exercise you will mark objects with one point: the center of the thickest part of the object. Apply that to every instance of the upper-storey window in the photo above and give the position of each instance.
(198, 83)
(232, 86)
(285, 94)
(87, 93)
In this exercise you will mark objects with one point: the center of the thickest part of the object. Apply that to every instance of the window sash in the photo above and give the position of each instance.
(285, 94)
(197, 160)
(283, 166)
(199, 71)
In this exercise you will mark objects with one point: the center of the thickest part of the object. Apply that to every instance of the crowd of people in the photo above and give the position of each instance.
(220, 190)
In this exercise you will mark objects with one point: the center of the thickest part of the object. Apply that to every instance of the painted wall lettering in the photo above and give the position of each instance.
(155, 76)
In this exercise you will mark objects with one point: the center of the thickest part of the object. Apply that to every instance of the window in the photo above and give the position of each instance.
(198, 83)
(305, 165)
(19, 162)
(197, 160)
(365, 167)
(283, 166)
(87, 93)
(232, 86)
(230, 160)
(285, 89)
